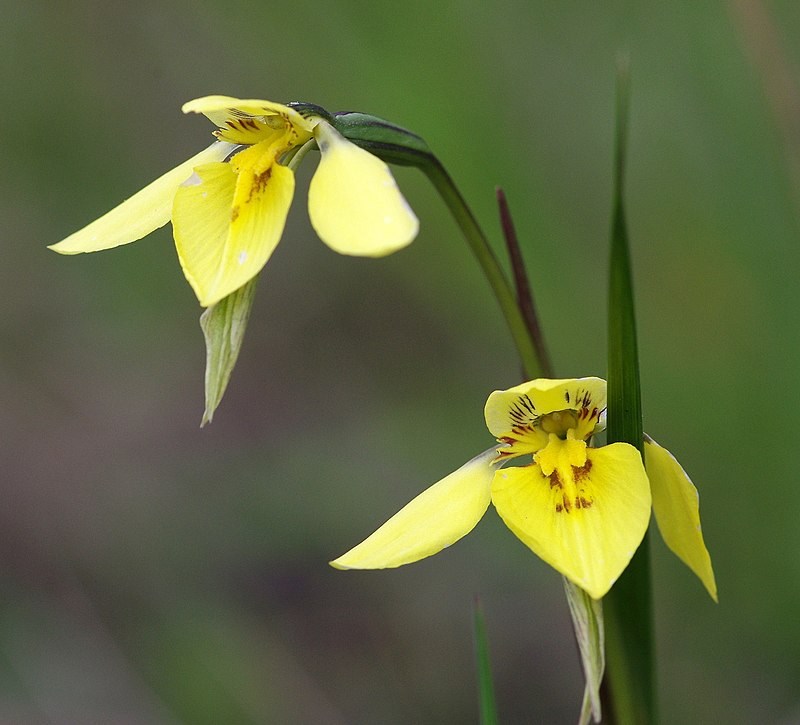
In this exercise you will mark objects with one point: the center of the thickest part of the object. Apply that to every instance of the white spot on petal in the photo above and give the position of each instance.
(193, 180)
(204, 194)
(387, 219)
(242, 258)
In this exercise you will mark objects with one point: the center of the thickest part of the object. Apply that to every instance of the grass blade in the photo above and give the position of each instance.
(628, 606)
(486, 699)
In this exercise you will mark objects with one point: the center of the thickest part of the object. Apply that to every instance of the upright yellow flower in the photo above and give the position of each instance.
(229, 203)
(583, 510)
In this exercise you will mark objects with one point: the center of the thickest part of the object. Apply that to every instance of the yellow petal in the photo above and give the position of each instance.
(218, 109)
(437, 518)
(228, 225)
(676, 505)
(144, 212)
(525, 403)
(585, 522)
(353, 200)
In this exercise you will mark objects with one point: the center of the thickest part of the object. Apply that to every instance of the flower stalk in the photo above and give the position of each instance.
(532, 362)
(397, 145)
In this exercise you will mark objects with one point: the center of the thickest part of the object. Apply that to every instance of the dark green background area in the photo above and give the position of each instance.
(153, 572)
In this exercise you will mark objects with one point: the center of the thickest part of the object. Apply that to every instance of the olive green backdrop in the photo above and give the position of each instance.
(154, 572)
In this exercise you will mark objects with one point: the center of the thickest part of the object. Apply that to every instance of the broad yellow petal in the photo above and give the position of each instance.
(218, 109)
(144, 212)
(353, 200)
(585, 522)
(676, 504)
(437, 518)
(227, 225)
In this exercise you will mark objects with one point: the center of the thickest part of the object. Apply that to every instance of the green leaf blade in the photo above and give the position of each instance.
(628, 606)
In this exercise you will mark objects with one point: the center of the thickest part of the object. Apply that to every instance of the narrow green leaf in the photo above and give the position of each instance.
(628, 606)
(486, 700)
(624, 393)
(587, 620)
(223, 327)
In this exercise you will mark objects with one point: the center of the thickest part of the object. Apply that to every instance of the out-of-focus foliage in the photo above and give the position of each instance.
(155, 572)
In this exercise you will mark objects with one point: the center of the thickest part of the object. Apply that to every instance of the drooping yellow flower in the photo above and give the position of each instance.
(583, 510)
(229, 203)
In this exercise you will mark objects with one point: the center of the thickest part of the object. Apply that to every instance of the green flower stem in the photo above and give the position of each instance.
(531, 361)
(630, 681)
(397, 145)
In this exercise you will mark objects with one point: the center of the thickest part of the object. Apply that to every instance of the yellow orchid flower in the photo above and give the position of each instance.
(581, 509)
(229, 203)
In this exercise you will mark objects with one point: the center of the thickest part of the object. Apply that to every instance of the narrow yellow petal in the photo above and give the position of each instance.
(586, 522)
(218, 109)
(353, 200)
(437, 518)
(144, 212)
(228, 225)
(676, 504)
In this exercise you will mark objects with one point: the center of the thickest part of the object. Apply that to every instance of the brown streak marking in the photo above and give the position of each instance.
(259, 182)
(580, 473)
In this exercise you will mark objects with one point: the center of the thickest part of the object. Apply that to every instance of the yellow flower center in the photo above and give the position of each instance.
(532, 433)
(559, 422)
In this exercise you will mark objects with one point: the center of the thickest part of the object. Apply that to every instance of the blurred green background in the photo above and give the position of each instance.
(154, 572)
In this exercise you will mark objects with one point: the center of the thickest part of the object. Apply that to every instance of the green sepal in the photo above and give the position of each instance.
(310, 109)
(587, 621)
(385, 140)
(223, 326)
